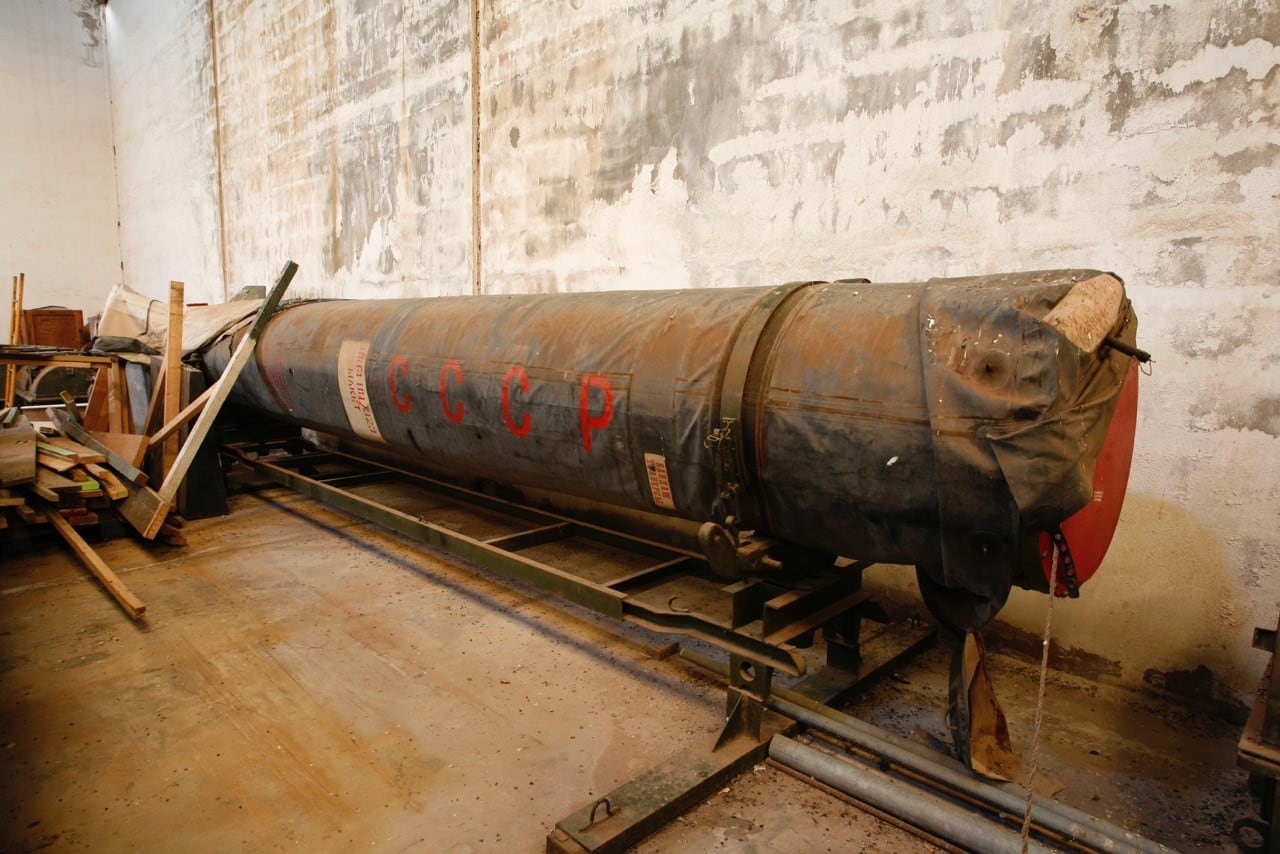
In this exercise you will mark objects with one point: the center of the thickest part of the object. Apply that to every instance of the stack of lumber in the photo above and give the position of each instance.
(79, 482)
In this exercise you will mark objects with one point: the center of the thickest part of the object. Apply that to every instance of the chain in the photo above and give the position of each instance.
(1069, 579)
(1044, 672)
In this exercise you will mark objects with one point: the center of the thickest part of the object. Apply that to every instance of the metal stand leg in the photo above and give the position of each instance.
(749, 683)
(642, 806)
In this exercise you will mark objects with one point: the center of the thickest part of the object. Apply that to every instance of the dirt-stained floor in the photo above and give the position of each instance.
(303, 680)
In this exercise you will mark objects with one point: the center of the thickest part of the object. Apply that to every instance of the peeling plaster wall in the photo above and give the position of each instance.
(163, 103)
(346, 144)
(715, 143)
(58, 213)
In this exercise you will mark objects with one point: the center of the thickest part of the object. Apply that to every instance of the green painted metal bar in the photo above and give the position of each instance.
(598, 597)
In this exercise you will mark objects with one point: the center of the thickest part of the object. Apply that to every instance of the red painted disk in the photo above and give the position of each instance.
(1089, 530)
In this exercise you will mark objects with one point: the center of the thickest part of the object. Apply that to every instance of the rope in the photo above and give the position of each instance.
(1044, 672)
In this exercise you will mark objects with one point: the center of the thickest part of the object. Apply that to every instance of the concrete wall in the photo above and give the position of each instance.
(58, 212)
(718, 143)
(166, 138)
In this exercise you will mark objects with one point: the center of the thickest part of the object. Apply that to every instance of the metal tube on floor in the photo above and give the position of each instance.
(1057, 818)
(926, 811)
(1008, 797)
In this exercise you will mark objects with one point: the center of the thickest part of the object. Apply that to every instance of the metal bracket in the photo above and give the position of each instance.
(736, 508)
(749, 683)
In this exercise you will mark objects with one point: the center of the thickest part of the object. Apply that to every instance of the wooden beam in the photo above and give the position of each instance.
(95, 413)
(72, 450)
(146, 510)
(155, 407)
(132, 605)
(173, 374)
(191, 411)
(122, 396)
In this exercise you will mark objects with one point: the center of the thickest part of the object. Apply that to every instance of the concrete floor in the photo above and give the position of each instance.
(306, 681)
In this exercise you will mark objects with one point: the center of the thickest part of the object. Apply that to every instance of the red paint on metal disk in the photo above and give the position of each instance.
(522, 428)
(399, 367)
(594, 422)
(1089, 530)
(454, 369)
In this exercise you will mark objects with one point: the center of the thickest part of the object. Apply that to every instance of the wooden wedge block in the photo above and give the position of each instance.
(29, 516)
(111, 485)
(128, 446)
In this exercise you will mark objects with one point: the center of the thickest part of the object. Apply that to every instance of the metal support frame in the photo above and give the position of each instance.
(756, 620)
(762, 624)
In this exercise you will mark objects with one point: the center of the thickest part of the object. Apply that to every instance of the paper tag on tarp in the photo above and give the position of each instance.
(659, 483)
(352, 357)
(1088, 311)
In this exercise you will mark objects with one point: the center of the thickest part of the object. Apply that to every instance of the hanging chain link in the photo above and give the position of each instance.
(1069, 580)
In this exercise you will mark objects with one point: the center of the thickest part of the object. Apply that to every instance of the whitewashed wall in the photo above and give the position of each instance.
(714, 143)
(58, 212)
(166, 138)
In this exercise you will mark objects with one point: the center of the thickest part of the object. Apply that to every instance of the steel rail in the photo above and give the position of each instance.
(1010, 798)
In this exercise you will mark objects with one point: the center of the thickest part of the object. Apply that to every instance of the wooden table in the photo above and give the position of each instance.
(108, 407)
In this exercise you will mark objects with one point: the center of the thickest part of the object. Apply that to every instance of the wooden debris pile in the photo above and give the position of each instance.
(81, 468)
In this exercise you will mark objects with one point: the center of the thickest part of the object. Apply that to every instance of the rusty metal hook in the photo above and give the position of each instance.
(608, 811)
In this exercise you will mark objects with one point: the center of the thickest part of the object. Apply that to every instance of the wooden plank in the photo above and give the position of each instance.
(115, 420)
(29, 516)
(61, 465)
(127, 446)
(133, 606)
(130, 472)
(55, 482)
(95, 413)
(191, 411)
(15, 336)
(146, 510)
(44, 447)
(173, 375)
(18, 454)
(72, 449)
(155, 408)
(122, 392)
(137, 378)
(11, 498)
(111, 485)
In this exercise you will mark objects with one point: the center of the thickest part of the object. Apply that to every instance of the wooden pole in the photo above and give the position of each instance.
(15, 336)
(173, 375)
(133, 606)
(146, 510)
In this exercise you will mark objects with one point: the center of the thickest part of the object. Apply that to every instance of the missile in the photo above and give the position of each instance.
(978, 429)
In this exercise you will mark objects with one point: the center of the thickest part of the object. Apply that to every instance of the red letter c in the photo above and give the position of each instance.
(450, 367)
(399, 367)
(521, 429)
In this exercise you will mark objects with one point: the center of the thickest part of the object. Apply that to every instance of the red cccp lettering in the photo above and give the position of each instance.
(399, 368)
(521, 428)
(454, 369)
(593, 422)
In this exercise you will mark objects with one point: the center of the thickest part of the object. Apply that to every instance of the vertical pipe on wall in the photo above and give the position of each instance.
(476, 286)
(217, 151)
